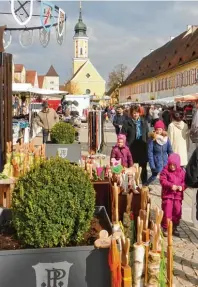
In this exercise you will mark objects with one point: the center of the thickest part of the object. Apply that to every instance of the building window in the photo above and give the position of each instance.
(180, 80)
(148, 87)
(196, 77)
(193, 76)
(81, 51)
(185, 77)
(188, 78)
(159, 85)
(88, 92)
(51, 82)
(156, 86)
(151, 87)
(88, 75)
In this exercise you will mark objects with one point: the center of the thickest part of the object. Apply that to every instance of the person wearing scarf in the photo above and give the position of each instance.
(136, 130)
(178, 134)
(159, 149)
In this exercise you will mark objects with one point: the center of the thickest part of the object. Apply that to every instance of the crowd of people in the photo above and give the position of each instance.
(161, 138)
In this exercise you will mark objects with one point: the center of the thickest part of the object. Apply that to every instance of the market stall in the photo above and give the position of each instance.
(24, 126)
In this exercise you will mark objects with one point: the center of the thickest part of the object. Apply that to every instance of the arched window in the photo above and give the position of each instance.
(81, 51)
(88, 92)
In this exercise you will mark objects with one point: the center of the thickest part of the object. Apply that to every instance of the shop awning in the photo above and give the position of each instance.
(19, 87)
(187, 98)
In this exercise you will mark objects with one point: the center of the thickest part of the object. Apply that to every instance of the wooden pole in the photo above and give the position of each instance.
(170, 255)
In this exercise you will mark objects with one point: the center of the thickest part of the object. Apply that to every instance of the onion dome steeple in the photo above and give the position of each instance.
(80, 28)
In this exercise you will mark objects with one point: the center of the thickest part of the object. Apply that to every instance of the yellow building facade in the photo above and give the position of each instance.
(86, 79)
(175, 74)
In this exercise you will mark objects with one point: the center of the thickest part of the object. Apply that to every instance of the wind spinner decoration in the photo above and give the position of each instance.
(51, 17)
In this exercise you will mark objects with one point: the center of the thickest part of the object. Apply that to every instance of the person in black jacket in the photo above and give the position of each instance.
(192, 175)
(119, 119)
(136, 130)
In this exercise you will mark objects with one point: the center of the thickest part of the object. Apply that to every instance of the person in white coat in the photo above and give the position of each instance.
(178, 135)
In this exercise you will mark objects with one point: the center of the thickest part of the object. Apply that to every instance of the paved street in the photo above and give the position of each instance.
(186, 247)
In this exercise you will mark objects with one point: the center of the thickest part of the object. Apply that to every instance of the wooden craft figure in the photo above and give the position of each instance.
(138, 256)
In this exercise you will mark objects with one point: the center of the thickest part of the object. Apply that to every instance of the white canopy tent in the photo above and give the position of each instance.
(163, 101)
(19, 87)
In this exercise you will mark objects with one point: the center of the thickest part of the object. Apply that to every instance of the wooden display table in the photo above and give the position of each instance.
(6, 188)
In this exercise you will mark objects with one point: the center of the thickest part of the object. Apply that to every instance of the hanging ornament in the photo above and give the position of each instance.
(47, 15)
(21, 10)
(44, 37)
(7, 41)
(61, 22)
(60, 39)
(26, 38)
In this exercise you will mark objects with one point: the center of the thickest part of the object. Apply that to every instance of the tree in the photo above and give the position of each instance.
(72, 88)
(117, 76)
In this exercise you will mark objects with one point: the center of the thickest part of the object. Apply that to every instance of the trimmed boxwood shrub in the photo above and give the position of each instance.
(53, 204)
(63, 133)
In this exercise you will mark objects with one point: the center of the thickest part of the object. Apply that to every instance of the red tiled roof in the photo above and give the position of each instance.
(40, 81)
(18, 68)
(52, 72)
(181, 50)
(30, 77)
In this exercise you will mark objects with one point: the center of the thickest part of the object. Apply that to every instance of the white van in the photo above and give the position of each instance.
(83, 105)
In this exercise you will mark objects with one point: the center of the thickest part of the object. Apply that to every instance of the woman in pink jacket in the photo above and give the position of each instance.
(121, 151)
(172, 179)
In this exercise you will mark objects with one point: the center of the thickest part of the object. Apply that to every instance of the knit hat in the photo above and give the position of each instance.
(121, 137)
(159, 125)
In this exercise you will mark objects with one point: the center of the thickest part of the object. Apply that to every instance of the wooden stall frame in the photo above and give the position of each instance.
(5, 104)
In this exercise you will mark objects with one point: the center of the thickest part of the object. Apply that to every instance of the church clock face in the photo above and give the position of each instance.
(88, 92)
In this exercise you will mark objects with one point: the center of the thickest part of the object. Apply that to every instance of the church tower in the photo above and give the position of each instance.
(80, 43)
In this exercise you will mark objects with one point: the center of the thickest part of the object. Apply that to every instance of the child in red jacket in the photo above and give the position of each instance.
(172, 179)
(121, 151)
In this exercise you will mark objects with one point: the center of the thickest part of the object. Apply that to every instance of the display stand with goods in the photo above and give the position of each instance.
(136, 261)
(18, 163)
(95, 131)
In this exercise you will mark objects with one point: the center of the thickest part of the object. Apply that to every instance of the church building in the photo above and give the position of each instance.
(86, 79)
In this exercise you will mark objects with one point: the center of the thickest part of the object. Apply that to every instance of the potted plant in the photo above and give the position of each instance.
(52, 210)
(62, 143)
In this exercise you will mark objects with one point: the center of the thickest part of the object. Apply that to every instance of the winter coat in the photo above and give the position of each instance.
(169, 178)
(124, 154)
(158, 153)
(192, 170)
(166, 117)
(48, 119)
(138, 148)
(119, 121)
(178, 135)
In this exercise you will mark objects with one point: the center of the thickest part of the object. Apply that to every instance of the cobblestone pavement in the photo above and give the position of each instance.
(185, 247)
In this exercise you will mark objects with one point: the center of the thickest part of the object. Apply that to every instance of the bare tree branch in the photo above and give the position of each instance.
(117, 76)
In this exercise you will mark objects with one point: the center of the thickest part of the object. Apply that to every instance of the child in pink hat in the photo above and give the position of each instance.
(172, 179)
(121, 152)
(159, 148)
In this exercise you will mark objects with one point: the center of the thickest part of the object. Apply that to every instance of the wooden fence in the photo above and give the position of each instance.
(5, 104)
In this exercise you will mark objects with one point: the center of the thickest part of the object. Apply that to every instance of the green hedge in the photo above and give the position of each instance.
(53, 204)
(63, 133)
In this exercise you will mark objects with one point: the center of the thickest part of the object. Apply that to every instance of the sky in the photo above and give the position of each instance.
(119, 33)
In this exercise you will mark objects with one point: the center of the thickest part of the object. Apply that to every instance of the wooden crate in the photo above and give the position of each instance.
(6, 188)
